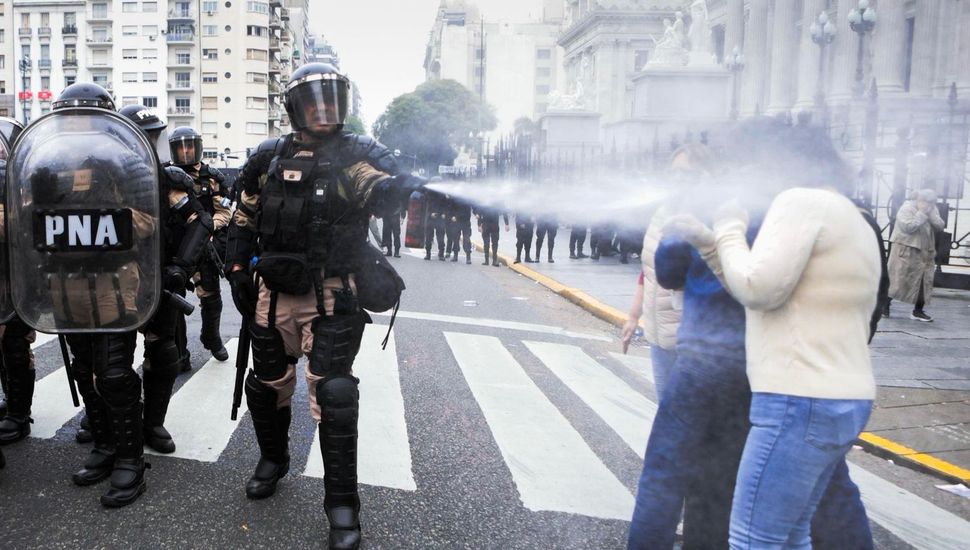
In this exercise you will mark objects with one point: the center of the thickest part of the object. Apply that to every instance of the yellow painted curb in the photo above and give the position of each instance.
(915, 458)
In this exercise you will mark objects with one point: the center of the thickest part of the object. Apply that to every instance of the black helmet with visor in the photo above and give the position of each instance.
(186, 146)
(317, 94)
(84, 94)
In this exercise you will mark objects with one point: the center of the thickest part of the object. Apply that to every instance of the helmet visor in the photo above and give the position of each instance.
(316, 102)
(186, 151)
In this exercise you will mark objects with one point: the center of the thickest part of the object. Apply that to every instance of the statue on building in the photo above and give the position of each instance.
(672, 48)
(699, 35)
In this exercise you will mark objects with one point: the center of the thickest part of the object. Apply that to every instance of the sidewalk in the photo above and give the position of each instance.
(922, 412)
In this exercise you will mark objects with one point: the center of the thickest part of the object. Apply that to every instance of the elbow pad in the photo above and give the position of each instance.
(240, 244)
(178, 179)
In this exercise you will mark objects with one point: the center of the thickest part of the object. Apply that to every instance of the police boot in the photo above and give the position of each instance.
(397, 252)
(518, 254)
(538, 252)
(158, 382)
(20, 392)
(211, 316)
(388, 253)
(271, 425)
(528, 256)
(441, 255)
(128, 473)
(486, 256)
(427, 254)
(83, 434)
(339, 404)
(550, 256)
(101, 460)
(454, 256)
(468, 258)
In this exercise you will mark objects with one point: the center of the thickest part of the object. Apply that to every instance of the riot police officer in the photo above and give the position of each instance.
(186, 228)
(86, 246)
(460, 217)
(488, 227)
(546, 226)
(524, 229)
(436, 228)
(305, 205)
(186, 150)
(391, 232)
(17, 368)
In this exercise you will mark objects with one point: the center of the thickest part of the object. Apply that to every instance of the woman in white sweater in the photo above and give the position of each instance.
(809, 285)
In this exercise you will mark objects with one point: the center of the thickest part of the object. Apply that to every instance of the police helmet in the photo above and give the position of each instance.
(179, 143)
(145, 118)
(316, 94)
(10, 128)
(84, 94)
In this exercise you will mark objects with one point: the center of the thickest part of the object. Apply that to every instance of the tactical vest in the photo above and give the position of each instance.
(204, 189)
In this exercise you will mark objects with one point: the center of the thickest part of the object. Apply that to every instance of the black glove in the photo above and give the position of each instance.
(174, 278)
(178, 179)
(244, 293)
(217, 175)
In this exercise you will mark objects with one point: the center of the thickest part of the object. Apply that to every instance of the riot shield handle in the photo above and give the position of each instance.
(68, 369)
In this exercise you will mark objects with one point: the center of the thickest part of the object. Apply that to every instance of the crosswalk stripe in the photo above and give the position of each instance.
(495, 323)
(627, 411)
(552, 466)
(639, 365)
(384, 452)
(198, 415)
(909, 517)
(52, 406)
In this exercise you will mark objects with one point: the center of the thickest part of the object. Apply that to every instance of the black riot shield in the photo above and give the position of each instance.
(6, 304)
(83, 210)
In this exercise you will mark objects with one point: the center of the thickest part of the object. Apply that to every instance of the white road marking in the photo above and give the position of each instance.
(639, 365)
(496, 323)
(384, 452)
(552, 466)
(42, 338)
(198, 415)
(625, 410)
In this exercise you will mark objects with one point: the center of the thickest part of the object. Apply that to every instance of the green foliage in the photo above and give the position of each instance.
(355, 125)
(433, 121)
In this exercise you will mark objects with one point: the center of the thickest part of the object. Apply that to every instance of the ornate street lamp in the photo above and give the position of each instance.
(735, 64)
(861, 20)
(26, 93)
(823, 33)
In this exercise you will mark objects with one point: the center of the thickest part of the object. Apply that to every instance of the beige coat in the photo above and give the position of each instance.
(911, 260)
(662, 308)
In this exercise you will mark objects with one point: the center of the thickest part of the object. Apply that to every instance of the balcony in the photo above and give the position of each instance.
(274, 114)
(69, 30)
(275, 89)
(44, 64)
(180, 37)
(180, 86)
(99, 16)
(284, 14)
(180, 15)
(69, 63)
(181, 63)
(183, 112)
(276, 3)
(274, 21)
(24, 32)
(99, 41)
(44, 31)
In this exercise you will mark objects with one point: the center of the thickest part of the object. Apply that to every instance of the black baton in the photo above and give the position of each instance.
(68, 369)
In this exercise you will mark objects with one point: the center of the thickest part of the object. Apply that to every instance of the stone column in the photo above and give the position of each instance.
(889, 46)
(734, 27)
(924, 47)
(843, 59)
(782, 56)
(947, 55)
(963, 57)
(808, 54)
(756, 58)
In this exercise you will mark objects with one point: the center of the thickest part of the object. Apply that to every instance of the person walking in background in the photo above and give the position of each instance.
(912, 258)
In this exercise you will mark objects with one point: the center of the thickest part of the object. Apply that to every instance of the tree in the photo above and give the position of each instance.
(433, 121)
(355, 125)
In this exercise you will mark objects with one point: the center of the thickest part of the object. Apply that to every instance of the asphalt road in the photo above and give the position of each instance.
(521, 429)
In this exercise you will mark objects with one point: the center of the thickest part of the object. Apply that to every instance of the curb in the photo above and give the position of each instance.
(872, 443)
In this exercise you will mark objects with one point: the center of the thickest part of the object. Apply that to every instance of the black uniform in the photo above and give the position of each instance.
(546, 226)
(489, 227)
(524, 229)
(391, 232)
(437, 213)
(460, 220)
(577, 238)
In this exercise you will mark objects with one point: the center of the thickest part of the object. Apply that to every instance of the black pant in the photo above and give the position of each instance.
(523, 238)
(490, 234)
(391, 232)
(435, 229)
(577, 238)
(462, 236)
(542, 230)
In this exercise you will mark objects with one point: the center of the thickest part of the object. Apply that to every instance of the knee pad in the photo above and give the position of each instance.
(338, 398)
(16, 348)
(259, 397)
(163, 356)
(117, 381)
(209, 280)
(269, 354)
(336, 341)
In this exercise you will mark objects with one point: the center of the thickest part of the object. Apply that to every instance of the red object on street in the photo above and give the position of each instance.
(417, 220)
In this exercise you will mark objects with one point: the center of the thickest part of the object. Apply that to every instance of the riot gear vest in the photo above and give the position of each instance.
(205, 188)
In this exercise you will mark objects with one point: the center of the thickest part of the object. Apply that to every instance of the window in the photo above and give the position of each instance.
(150, 101)
(129, 100)
(542, 89)
(45, 83)
(149, 7)
(210, 127)
(209, 6)
(149, 77)
(210, 102)
(210, 53)
(478, 53)
(45, 52)
(256, 103)
(25, 50)
(908, 53)
(129, 54)
(255, 127)
(99, 10)
(257, 55)
(255, 30)
(129, 7)
(543, 53)
(27, 83)
(183, 105)
(129, 77)
(99, 34)
(210, 78)
(183, 9)
(210, 30)
(149, 30)
(100, 79)
(210, 154)
(3, 62)
(3, 86)
(183, 58)
(256, 7)
(129, 30)
(149, 53)
(99, 57)
(257, 78)
(543, 72)
(3, 36)
(69, 18)
(68, 80)
(70, 53)
(183, 80)
(24, 20)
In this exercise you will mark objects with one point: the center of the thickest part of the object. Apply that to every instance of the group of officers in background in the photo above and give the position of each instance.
(112, 220)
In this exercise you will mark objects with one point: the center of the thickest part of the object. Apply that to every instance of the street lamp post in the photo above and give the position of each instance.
(823, 33)
(861, 20)
(24, 69)
(735, 64)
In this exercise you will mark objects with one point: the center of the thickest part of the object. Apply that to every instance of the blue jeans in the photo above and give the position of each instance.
(840, 521)
(693, 453)
(793, 449)
(662, 361)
